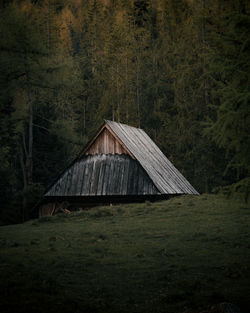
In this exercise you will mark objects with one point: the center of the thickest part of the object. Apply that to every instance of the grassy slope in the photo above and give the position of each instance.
(171, 256)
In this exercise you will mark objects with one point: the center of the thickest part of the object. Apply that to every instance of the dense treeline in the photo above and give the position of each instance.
(178, 69)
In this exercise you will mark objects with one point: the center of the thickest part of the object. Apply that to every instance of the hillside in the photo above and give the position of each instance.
(181, 255)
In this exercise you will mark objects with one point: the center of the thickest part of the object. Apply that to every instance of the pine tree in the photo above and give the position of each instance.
(229, 70)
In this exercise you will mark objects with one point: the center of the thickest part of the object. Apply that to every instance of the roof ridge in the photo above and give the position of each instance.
(113, 122)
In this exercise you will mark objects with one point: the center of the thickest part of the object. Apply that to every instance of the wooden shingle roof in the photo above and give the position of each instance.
(120, 160)
(163, 173)
(103, 175)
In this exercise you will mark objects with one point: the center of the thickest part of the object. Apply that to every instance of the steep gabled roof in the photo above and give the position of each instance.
(137, 167)
(165, 176)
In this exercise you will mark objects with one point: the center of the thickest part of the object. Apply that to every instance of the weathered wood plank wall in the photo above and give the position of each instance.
(106, 143)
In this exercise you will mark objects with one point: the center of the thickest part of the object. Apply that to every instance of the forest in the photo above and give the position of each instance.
(179, 69)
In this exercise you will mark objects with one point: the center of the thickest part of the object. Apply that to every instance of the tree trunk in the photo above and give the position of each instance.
(126, 95)
(48, 26)
(26, 151)
(24, 204)
(138, 92)
(117, 95)
(26, 155)
(113, 109)
(29, 157)
(203, 42)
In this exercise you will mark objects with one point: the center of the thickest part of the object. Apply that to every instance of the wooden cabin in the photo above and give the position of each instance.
(120, 164)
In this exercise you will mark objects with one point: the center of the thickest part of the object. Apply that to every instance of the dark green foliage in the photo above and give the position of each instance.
(230, 71)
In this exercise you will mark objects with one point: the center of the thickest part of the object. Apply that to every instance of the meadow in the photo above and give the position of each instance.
(185, 254)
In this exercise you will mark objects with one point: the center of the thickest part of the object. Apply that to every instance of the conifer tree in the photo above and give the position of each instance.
(229, 70)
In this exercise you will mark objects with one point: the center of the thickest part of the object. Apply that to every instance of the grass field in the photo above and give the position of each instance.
(181, 255)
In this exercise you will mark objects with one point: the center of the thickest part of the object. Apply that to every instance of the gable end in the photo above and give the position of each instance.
(105, 142)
